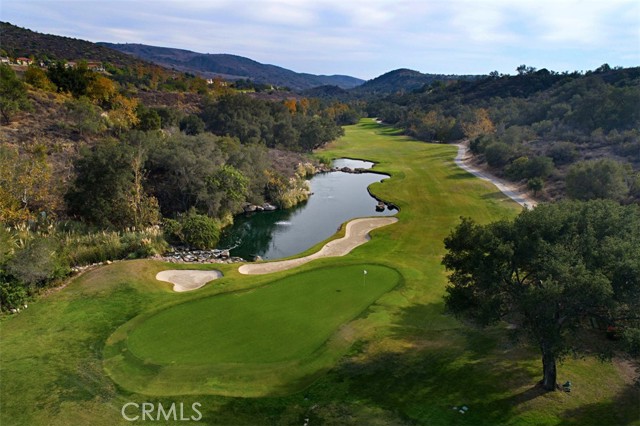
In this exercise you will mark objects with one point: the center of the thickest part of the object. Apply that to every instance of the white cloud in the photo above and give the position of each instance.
(359, 36)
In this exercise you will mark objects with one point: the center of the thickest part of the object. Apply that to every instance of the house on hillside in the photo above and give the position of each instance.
(4, 60)
(95, 66)
(23, 61)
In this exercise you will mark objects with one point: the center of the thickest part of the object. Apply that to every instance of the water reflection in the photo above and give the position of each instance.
(337, 197)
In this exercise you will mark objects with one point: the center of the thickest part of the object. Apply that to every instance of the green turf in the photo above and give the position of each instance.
(287, 319)
(404, 362)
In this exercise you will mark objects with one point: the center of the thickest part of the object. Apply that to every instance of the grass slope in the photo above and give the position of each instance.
(408, 362)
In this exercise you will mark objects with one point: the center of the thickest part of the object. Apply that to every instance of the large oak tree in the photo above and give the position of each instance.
(551, 272)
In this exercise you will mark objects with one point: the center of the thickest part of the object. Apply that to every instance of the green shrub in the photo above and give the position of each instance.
(563, 153)
(93, 248)
(172, 230)
(12, 294)
(498, 154)
(38, 262)
(597, 179)
(518, 168)
(201, 232)
(539, 167)
(85, 249)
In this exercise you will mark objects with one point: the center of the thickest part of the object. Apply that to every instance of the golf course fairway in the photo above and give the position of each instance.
(279, 348)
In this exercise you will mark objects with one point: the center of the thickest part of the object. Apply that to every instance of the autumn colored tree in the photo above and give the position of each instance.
(123, 113)
(101, 90)
(26, 185)
(291, 105)
(37, 77)
(478, 124)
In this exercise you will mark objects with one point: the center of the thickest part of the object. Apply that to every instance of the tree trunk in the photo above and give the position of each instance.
(549, 372)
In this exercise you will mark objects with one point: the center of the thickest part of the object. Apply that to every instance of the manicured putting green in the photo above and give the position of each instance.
(287, 319)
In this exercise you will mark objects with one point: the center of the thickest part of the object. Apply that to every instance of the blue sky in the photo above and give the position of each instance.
(362, 38)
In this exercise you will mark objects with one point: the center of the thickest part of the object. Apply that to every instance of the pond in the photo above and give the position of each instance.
(337, 197)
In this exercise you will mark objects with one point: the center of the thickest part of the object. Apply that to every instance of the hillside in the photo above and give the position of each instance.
(404, 80)
(550, 131)
(16, 41)
(232, 67)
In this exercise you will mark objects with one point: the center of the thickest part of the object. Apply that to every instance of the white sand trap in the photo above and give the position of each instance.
(187, 280)
(356, 234)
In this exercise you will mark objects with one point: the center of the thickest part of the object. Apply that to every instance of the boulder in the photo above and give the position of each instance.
(269, 207)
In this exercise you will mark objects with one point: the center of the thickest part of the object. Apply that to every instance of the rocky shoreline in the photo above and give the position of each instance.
(186, 255)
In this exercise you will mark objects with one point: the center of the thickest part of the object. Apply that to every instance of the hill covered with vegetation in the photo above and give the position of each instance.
(562, 134)
(232, 67)
(404, 80)
(21, 42)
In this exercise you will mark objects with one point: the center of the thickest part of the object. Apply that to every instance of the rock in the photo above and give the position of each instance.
(380, 207)
(257, 258)
(259, 208)
(249, 208)
(346, 170)
(269, 207)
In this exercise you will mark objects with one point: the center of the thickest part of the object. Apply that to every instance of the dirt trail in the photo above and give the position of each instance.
(463, 160)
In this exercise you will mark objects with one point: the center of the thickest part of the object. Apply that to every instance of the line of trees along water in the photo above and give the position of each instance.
(139, 176)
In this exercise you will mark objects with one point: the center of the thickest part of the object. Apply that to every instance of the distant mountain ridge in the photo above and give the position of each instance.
(404, 80)
(231, 67)
(16, 41)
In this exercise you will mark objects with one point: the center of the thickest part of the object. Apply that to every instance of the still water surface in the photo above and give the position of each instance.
(337, 197)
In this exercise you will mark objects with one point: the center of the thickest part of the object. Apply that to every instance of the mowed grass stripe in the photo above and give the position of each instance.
(285, 320)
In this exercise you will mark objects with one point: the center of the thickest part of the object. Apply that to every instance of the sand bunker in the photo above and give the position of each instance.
(356, 234)
(187, 280)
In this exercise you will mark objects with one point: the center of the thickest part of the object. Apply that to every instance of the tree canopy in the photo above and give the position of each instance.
(553, 271)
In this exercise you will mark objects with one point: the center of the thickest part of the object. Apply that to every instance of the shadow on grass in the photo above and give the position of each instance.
(436, 365)
(460, 176)
(383, 129)
(494, 196)
(434, 370)
(624, 409)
